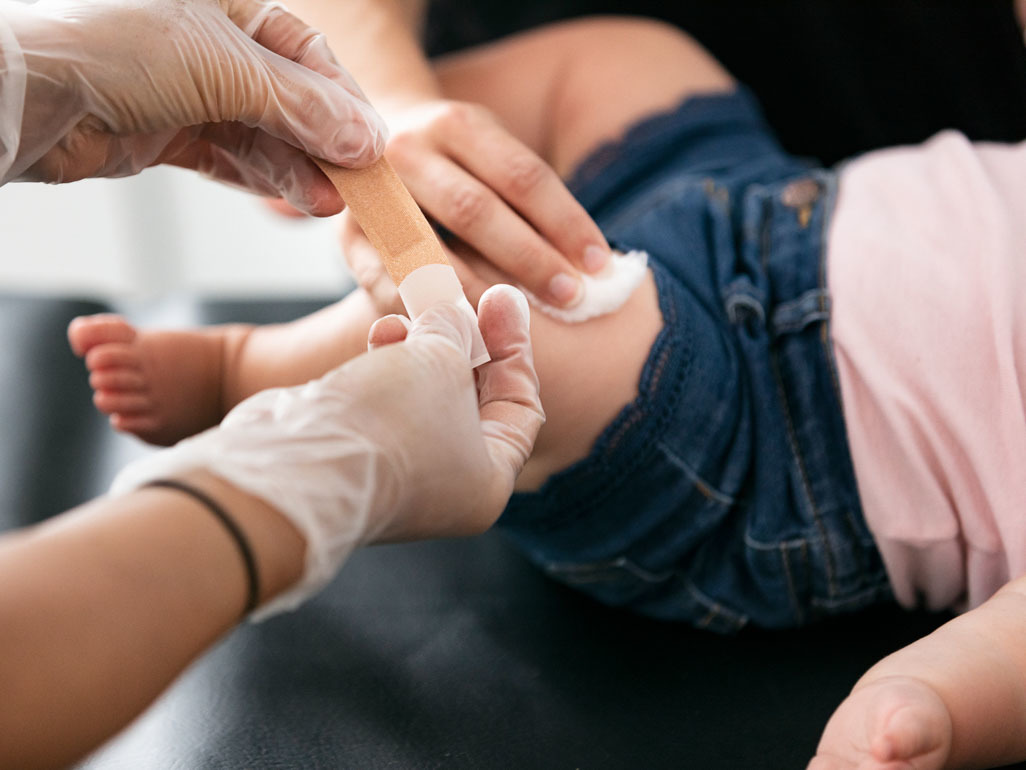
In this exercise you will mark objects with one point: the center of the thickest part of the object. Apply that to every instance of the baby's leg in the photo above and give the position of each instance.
(165, 385)
(565, 90)
(956, 698)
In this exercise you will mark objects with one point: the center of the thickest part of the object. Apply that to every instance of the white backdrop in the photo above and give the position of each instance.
(166, 231)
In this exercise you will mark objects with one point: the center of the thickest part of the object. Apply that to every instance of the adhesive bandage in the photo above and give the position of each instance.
(409, 248)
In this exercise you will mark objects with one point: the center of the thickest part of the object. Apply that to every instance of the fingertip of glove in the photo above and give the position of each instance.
(387, 330)
(361, 140)
(510, 301)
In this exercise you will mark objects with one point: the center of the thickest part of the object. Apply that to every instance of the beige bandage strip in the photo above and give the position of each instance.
(406, 242)
(388, 215)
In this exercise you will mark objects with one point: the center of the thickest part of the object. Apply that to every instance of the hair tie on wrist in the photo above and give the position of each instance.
(253, 599)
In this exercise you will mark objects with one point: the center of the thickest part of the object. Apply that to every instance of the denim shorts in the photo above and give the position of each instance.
(724, 494)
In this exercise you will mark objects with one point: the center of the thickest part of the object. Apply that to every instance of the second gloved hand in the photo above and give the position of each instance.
(397, 444)
(241, 90)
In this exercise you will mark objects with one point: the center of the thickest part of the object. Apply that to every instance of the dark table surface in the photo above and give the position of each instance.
(444, 654)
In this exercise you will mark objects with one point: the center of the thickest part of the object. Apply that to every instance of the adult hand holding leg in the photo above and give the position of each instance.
(396, 444)
(401, 439)
(241, 90)
(481, 178)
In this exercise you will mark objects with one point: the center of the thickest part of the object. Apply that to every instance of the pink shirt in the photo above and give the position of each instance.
(927, 269)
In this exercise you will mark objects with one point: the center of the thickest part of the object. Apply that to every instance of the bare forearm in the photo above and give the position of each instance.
(103, 607)
(378, 42)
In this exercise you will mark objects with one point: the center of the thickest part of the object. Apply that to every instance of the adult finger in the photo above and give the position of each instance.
(284, 208)
(238, 155)
(275, 28)
(511, 409)
(475, 273)
(529, 186)
(446, 322)
(305, 99)
(473, 212)
(387, 331)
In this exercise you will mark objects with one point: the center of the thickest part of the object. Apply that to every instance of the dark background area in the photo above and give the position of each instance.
(835, 77)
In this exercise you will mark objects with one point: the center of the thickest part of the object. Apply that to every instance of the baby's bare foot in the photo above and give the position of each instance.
(158, 385)
(894, 723)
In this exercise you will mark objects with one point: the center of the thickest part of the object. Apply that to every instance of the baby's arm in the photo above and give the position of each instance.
(956, 698)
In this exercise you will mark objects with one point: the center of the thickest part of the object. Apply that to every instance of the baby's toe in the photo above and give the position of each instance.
(113, 356)
(86, 332)
(114, 402)
(120, 380)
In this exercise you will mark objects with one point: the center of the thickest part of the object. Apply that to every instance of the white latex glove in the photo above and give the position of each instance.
(397, 444)
(240, 90)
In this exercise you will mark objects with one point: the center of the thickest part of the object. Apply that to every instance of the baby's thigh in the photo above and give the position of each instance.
(567, 88)
(588, 373)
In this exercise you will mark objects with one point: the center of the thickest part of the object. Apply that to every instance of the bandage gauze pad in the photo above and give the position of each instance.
(408, 246)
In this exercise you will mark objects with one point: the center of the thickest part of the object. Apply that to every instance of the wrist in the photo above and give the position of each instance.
(277, 546)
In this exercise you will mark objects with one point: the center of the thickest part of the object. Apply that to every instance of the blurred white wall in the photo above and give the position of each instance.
(166, 231)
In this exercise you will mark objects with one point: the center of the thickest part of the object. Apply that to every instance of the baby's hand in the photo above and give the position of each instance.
(893, 723)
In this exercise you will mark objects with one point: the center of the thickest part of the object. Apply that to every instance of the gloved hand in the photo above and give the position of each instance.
(240, 90)
(396, 444)
(472, 176)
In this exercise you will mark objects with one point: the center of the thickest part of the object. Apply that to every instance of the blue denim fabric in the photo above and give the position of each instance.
(724, 494)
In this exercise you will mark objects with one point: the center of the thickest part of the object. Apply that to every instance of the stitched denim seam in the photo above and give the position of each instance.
(669, 338)
(716, 610)
(792, 589)
(830, 196)
(792, 439)
(792, 544)
(858, 599)
(596, 571)
(765, 238)
(664, 342)
(792, 436)
(706, 488)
